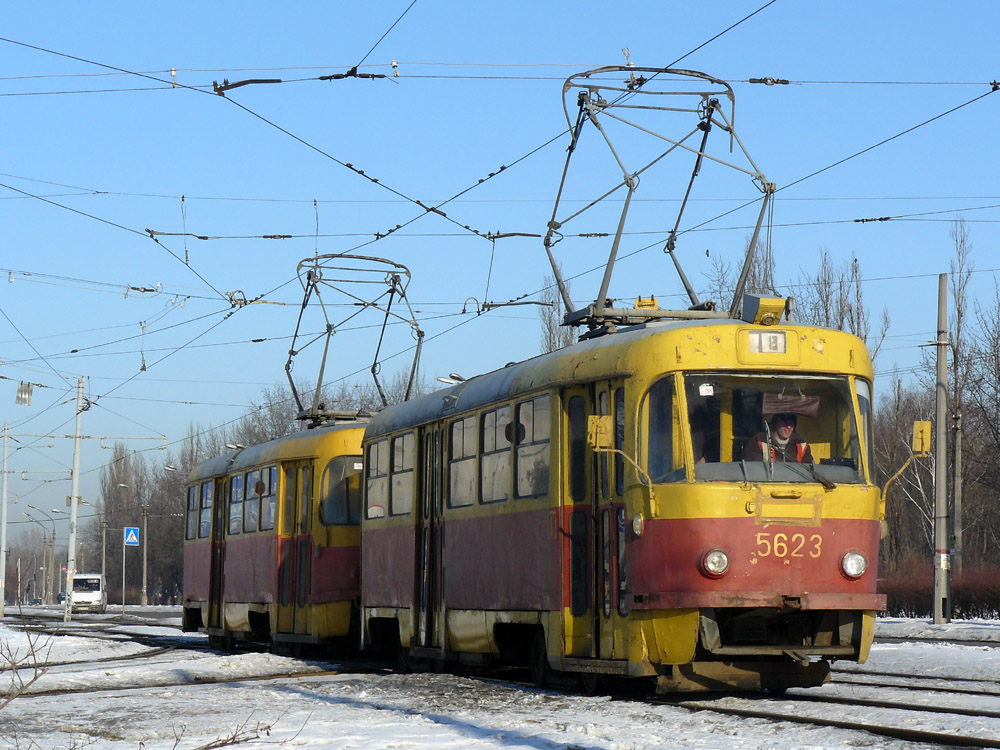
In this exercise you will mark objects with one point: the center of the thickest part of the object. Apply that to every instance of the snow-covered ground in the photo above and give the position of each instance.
(137, 705)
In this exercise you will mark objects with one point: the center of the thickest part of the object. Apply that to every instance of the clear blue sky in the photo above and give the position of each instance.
(106, 155)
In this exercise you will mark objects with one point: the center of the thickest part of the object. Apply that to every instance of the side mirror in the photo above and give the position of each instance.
(599, 432)
(921, 436)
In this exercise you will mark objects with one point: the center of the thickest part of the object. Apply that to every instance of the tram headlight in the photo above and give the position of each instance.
(853, 565)
(714, 563)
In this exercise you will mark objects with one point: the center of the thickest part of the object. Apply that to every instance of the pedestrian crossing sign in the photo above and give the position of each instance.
(131, 536)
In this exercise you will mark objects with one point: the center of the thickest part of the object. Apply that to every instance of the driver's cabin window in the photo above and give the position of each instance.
(664, 462)
(772, 427)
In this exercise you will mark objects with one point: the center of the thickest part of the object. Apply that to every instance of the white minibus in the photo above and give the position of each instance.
(88, 593)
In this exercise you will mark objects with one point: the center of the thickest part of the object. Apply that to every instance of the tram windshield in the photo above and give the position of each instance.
(758, 428)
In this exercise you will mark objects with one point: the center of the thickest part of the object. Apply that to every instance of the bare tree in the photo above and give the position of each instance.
(833, 297)
(724, 276)
(721, 282)
(909, 513)
(554, 334)
(760, 279)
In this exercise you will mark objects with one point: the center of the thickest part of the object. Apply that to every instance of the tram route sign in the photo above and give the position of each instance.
(131, 536)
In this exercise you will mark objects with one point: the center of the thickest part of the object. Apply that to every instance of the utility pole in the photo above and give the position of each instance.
(942, 558)
(46, 568)
(3, 527)
(145, 515)
(74, 496)
(956, 547)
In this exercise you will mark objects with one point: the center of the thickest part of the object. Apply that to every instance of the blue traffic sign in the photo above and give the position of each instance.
(131, 536)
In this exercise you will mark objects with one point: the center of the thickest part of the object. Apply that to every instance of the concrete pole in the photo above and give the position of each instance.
(145, 515)
(44, 597)
(942, 558)
(53, 573)
(74, 496)
(3, 527)
(956, 551)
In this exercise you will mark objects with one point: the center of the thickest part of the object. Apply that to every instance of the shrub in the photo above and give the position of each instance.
(974, 594)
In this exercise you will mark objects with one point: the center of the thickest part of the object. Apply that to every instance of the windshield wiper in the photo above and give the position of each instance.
(811, 469)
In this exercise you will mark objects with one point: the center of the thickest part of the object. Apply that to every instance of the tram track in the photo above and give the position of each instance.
(895, 640)
(923, 688)
(99, 660)
(896, 704)
(193, 681)
(793, 708)
(907, 734)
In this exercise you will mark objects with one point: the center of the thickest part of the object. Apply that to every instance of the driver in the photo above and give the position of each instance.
(784, 442)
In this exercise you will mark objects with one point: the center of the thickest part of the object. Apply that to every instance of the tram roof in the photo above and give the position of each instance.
(254, 455)
(522, 377)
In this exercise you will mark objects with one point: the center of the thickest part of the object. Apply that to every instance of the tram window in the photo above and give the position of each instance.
(494, 461)
(191, 531)
(288, 501)
(305, 492)
(620, 441)
(236, 504)
(251, 501)
(402, 484)
(377, 479)
(577, 448)
(205, 524)
(532, 453)
(269, 486)
(733, 419)
(431, 459)
(662, 422)
(340, 490)
(602, 459)
(462, 463)
(864, 392)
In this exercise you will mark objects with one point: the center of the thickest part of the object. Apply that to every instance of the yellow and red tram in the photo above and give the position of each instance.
(592, 510)
(271, 550)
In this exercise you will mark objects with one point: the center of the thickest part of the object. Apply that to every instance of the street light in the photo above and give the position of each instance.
(45, 562)
(52, 552)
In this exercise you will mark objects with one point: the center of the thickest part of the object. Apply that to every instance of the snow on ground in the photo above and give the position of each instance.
(417, 711)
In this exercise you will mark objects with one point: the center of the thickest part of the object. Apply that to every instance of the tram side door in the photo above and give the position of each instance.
(294, 548)
(609, 575)
(217, 581)
(428, 579)
(578, 505)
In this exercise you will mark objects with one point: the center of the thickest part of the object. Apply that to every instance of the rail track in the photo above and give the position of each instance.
(894, 705)
(908, 734)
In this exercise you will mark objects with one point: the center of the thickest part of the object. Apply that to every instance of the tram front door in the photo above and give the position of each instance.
(593, 518)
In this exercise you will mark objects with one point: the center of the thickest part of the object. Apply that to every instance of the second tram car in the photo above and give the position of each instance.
(272, 540)
(611, 509)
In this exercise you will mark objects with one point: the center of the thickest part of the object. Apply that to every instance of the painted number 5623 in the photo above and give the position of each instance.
(783, 545)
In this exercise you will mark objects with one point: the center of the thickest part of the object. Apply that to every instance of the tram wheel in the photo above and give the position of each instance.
(402, 656)
(539, 659)
(590, 682)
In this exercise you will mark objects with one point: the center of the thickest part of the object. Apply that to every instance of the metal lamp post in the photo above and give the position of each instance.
(46, 566)
(145, 515)
(53, 578)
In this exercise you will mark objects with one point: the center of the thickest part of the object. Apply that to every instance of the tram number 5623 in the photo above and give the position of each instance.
(783, 545)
